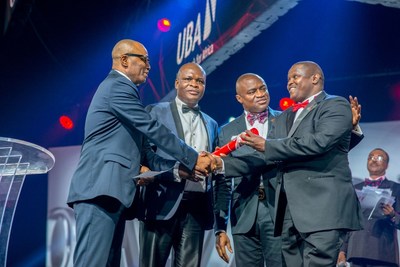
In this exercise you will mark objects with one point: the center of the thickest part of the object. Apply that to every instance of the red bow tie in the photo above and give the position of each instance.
(375, 183)
(261, 117)
(298, 106)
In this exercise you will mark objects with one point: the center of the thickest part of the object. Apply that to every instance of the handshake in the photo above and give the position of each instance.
(206, 164)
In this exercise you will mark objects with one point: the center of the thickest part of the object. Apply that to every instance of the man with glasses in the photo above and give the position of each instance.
(376, 244)
(116, 143)
(177, 213)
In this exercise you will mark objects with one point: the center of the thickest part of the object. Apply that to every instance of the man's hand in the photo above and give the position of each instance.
(253, 140)
(187, 174)
(144, 181)
(388, 210)
(341, 258)
(355, 110)
(205, 164)
(221, 242)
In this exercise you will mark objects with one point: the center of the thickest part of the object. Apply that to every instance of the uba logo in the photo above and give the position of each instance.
(193, 34)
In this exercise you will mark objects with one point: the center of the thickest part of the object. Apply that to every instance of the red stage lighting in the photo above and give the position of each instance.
(285, 103)
(164, 25)
(66, 122)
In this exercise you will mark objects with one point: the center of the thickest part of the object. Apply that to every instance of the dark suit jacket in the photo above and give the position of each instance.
(313, 165)
(162, 198)
(116, 132)
(378, 239)
(245, 188)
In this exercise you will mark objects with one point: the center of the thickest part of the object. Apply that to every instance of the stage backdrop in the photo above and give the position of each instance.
(61, 224)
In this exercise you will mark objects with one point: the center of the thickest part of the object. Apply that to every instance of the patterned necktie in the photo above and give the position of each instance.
(186, 109)
(375, 183)
(298, 106)
(253, 117)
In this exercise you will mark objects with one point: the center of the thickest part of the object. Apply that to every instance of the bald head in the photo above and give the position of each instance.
(130, 57)
(245, 77)
(305, 79)
(127, 46)
(190, 65)
(252, 93)
(312, 68)
(190, 83)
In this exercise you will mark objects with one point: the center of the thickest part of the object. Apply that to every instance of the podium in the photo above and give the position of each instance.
(17, 159)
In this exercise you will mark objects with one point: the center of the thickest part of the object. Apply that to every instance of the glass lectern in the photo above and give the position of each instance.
(17, 159)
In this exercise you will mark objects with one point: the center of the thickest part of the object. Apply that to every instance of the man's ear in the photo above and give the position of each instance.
(124, 61)
(239, 99)
(316, 78)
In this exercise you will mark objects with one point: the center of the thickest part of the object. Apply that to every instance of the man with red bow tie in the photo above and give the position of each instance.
(315, 202)
(253, 195)
(376, 244)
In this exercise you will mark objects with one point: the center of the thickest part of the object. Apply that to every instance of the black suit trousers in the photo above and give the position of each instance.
(184, 232)
(315, 249)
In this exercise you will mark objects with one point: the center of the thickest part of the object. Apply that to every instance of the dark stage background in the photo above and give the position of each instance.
(53, 55)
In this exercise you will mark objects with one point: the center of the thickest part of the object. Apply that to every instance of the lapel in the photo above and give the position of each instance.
(271, 122)
(209, 131)
(385, 184)
(177, 120)
(313, 104)
(240, 126)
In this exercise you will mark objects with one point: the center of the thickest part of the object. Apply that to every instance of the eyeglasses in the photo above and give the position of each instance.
(144, 58)
(377, 158)
(190, 79)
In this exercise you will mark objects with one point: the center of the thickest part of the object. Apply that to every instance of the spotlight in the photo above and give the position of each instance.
(66, 122)
(285, 103)
(164, 25)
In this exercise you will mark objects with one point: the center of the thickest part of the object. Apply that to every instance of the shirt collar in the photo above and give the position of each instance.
(123, 74)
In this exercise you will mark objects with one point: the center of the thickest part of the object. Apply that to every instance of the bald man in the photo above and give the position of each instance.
(117, 131)
(316, 203)
(179, 212)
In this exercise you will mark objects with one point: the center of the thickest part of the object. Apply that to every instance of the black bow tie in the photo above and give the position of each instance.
(186, 109)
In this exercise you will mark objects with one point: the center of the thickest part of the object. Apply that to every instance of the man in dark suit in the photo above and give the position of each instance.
(116, 132)
(376, 244)
(252, 207)
(316, 203)
(177, 213)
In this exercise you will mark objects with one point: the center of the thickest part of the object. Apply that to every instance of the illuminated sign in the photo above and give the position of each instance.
(193, 34)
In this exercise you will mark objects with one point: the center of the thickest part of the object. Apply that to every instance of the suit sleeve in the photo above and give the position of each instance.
(355, 139)
(222, 196)
(396, 219)
(328, 129)
(156, 162)
(125, 104)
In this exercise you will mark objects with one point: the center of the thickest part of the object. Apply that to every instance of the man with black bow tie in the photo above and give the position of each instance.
(178, 213)
(376, 244)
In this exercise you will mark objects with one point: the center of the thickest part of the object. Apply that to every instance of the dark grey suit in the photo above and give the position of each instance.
(314, 189)
(167, 205)
(251, 218)
(377, 243)
(116, 132)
